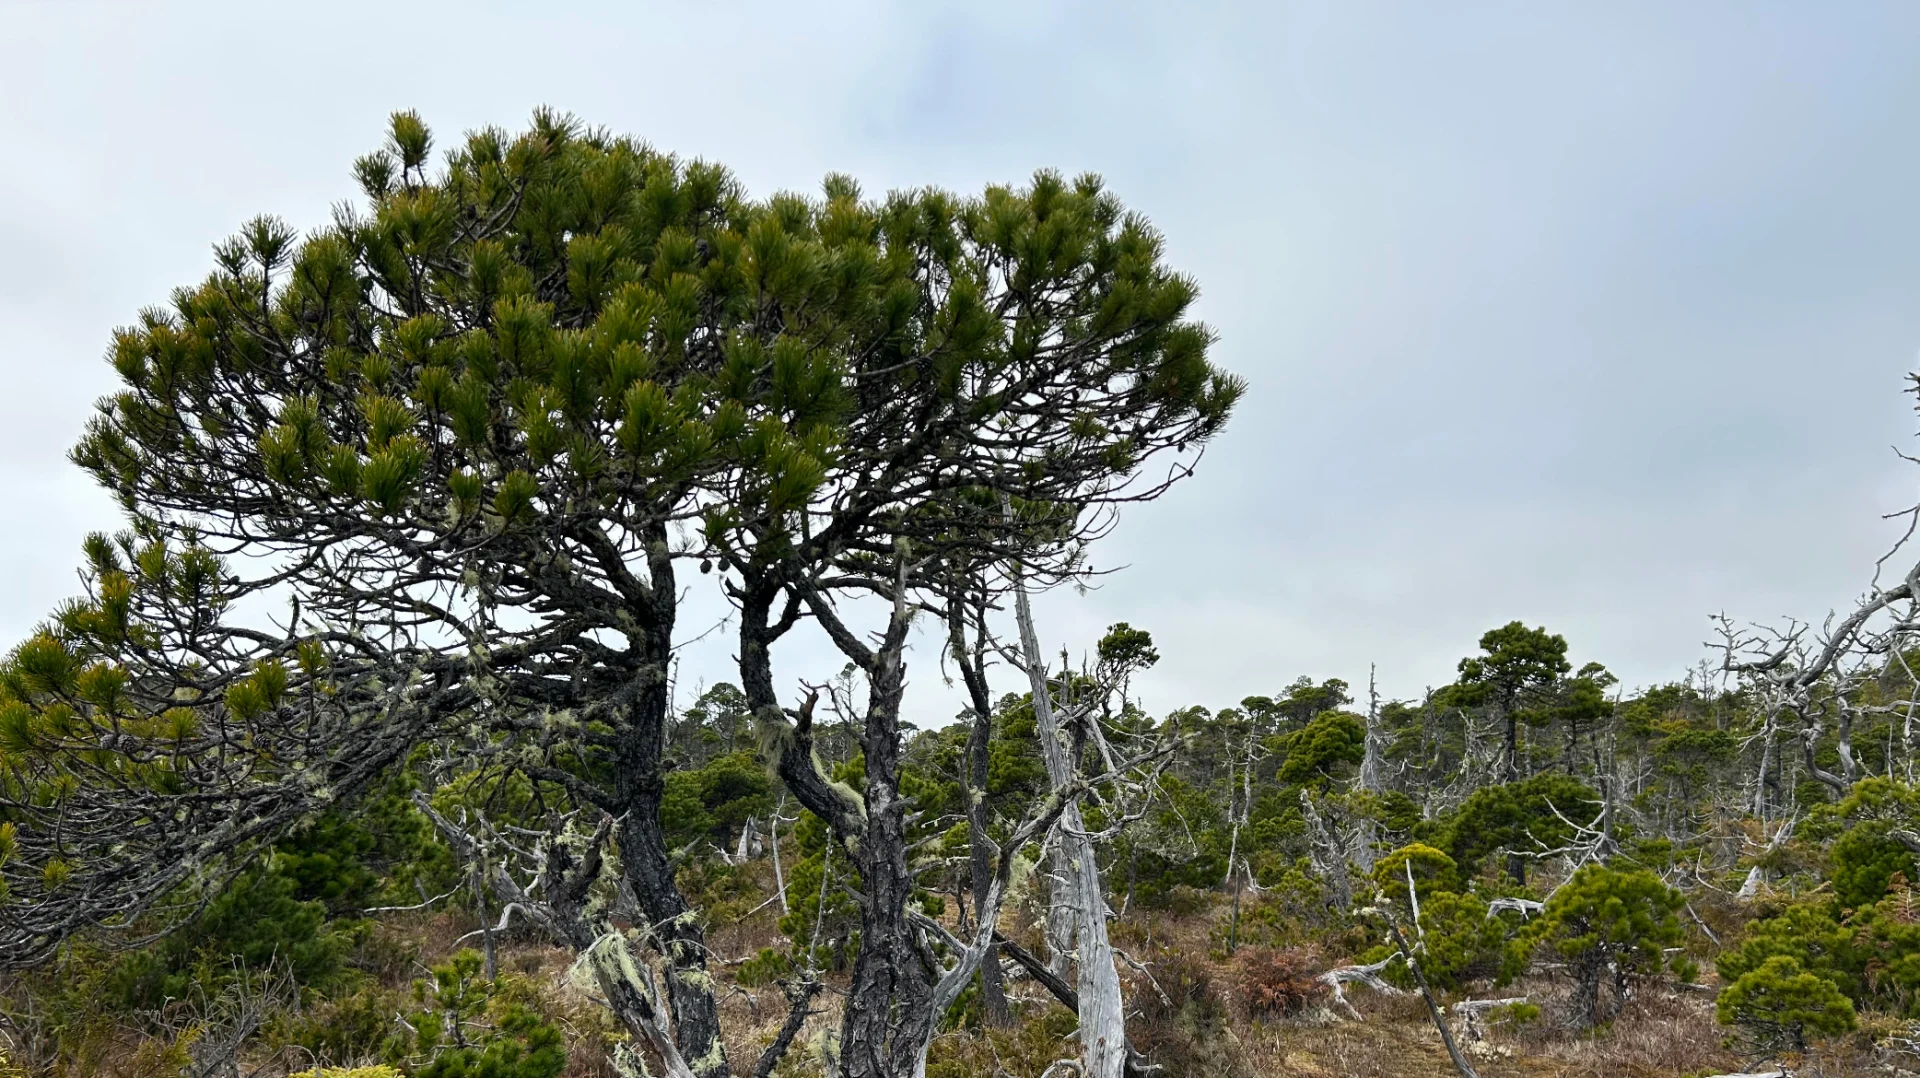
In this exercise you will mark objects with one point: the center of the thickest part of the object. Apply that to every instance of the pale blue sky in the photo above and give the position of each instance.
(1596, 317)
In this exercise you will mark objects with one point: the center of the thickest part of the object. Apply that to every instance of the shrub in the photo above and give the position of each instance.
(1323, 749)
(1457, 941)
(712, 803)
(520, 1045)
(1864, 862)
(472, 1028)
(1186, 1030)
(1292, 909)
(1184, 901)
(354, 1026)
(1780, 1005)
(1887, 945)
(1810, 936)
(1605, 920)
(1027, 1048)
(1433, 871)
(259, 921)
(1275, 984)
(1517, 816)
(1514, 1014)
(1872, 956)
(766, 967)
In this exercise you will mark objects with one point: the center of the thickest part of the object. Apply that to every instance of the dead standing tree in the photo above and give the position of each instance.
(1811, 678)
(1065, 735)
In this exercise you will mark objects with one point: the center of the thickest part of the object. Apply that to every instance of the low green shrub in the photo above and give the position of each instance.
(1781, 1006)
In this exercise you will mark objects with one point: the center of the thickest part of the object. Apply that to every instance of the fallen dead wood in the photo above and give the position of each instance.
(1472, 1014)
(1369, 975)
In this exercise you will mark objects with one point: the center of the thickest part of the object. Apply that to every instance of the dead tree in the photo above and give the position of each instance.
(1816, 677)
(1078, 886)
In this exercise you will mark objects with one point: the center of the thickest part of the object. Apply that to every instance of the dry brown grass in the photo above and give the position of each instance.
(1663, 1034)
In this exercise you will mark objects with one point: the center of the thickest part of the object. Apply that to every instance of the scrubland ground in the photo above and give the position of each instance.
(1194, 1012)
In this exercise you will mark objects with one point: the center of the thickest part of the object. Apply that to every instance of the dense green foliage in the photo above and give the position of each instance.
(1779, 1005)
(1610, 925)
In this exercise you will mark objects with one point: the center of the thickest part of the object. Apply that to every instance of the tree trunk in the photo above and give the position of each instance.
(971, 662)
(1370, 761)
(889, 1012)
(992, 989)
(1061, 902)
(640, 778)
(1103, 1034)
(1511, 772)
(649, 872)
(773, 842)
(1810, 733)
(1433, 1006)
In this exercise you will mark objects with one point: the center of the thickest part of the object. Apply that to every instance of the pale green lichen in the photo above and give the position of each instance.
(714, 1058)
(694, 978)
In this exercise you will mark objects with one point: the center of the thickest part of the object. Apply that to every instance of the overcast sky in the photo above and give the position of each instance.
(1597, 320)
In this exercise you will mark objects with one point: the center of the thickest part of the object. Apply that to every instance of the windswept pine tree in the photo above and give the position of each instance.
(463, 441)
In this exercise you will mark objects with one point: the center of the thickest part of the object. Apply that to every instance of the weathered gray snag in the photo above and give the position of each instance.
(1103, 1031)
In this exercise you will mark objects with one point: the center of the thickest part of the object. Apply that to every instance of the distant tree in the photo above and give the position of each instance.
(1516, 662)
(715, 724)
(1302, 701)
(1521, 817)
(1324, 749)
(1583, 706)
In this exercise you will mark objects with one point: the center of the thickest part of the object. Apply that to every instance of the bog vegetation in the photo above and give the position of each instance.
(361, 753)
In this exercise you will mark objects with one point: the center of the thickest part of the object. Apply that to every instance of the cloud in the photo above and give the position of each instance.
(1596, 319)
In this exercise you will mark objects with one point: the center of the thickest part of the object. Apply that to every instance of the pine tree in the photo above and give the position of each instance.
(1605, 922)
(1781, 1006)
(469, 434)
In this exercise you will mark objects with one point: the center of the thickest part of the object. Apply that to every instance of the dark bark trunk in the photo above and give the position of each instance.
(1516, 865)
(992, 989)
(799, 1010)
(979, 745)
(640, 776)
(888, 1009)
(887, 1015)
(787, 745)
